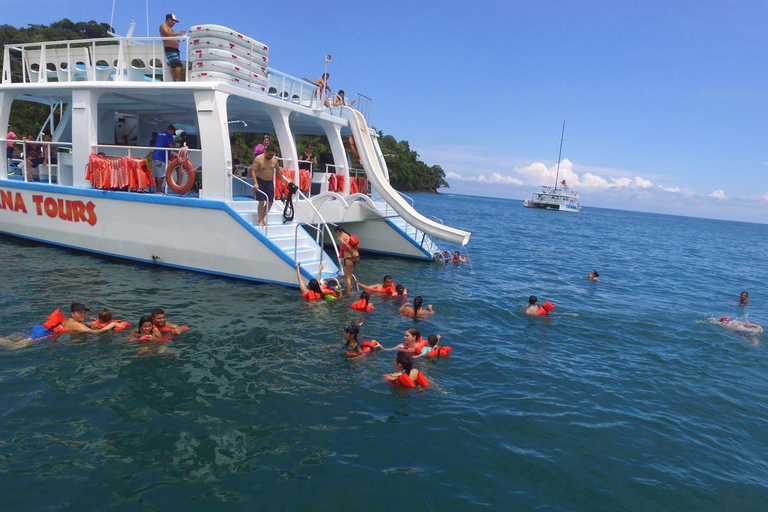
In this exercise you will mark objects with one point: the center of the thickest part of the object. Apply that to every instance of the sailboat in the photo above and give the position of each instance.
(559, 198)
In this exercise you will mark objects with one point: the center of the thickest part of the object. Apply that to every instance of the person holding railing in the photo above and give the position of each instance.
(49, 151)
(9, 144)
(323, 88)
(340, 101)
(171, 46)
(307, 159)
(32, 155)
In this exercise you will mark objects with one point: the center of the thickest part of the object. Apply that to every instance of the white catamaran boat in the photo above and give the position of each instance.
(106, 95)
(559, 198)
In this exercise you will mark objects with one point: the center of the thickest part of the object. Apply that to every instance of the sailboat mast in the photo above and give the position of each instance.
(559, 155)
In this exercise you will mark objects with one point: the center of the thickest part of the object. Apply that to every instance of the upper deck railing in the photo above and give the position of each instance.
(136, 59)
(103, 59)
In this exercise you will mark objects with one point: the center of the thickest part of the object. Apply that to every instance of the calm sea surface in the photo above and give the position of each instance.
(630, 398)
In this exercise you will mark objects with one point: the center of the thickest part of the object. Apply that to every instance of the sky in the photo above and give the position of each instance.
(665, 103)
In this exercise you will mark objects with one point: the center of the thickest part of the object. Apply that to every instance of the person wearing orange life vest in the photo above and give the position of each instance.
(387, 286)
(543, 310)
(312, 290)
(348, 252)
(406, 376)
(364, 303)
(75, 324)
(357, 348)
(146, 330)
(163, 325)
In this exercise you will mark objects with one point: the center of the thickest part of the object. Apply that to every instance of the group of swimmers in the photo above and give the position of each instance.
(153, 327)
(412, 347)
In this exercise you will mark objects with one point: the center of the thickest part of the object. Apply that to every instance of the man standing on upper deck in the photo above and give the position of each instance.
(172, 55)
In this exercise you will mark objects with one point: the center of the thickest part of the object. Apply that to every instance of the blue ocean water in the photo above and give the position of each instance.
(629, 397)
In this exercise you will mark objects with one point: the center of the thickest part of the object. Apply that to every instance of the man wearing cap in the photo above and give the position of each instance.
(160, 157)
(172, 55)
(75, 324)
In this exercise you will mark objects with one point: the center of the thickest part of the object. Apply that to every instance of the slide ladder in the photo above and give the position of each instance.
(377, 176)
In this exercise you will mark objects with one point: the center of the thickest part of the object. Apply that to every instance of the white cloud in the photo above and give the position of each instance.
(718, 194)
(642, 183)
(670, 189)
(495, 177)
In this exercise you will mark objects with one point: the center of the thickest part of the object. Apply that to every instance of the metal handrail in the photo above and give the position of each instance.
(319, 230)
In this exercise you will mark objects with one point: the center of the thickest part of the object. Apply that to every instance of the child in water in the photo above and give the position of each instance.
(363, 304)
(146, 331)
(406, 376)
(357, 348)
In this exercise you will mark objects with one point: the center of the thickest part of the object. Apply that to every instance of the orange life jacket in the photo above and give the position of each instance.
(545, 309)
(366, 347)
(404, 381)
(361, 305)
(310, 295)
(98, 324)
(439, 352)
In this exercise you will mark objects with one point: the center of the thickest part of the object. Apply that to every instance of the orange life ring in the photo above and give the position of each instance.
(353, 147)
(189, 169)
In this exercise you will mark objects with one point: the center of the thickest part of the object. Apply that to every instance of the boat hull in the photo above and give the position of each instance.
(552, 206)
(187, 233)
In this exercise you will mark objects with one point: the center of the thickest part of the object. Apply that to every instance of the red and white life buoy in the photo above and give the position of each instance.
(188, 168)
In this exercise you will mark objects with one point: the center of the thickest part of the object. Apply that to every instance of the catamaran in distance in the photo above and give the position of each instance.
(559, 198)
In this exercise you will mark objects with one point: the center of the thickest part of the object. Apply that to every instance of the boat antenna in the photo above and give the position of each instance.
(147, 6)
(559, 154)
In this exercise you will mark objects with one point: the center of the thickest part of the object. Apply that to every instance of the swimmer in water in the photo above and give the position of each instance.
(416, 311)
(532, 307)
(404, 365)
(593, 275)
(163, 325)
(311, 291)
(741, 326)
(743, 299)
(386, 286)
(146, 330)
(458, 258)
(355, 347)
(412, 342)
(433, 342)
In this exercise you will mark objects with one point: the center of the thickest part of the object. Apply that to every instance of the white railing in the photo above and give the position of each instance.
(44, 150)
(291, 89)
(102, 59)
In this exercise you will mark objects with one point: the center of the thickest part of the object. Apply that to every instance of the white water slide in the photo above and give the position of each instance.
(371, 158)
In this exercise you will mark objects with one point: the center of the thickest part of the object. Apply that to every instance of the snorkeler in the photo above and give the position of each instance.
(406, 376)
(416, 311)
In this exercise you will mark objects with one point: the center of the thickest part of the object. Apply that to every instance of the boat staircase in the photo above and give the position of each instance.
(419, 237)
(290, 238)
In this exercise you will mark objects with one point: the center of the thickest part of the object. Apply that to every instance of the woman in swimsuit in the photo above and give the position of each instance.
(416, 311)
(350, 255)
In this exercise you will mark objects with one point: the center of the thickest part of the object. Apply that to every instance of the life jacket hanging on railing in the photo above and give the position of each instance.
(281, 187)
(305, 181)
(362, 184)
